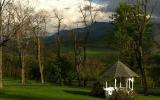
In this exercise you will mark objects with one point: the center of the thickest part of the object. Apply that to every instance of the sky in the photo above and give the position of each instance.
(71, 13)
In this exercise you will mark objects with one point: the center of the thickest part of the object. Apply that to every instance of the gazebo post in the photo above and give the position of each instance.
(126, 83)
(129, 83)
(132, 82)
(120, 85)
(106, 84)
(115, 85)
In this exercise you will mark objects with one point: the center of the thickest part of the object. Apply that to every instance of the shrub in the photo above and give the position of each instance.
(97, 90)
(122, 95)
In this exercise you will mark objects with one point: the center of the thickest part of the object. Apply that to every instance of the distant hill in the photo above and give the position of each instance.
(98, 36)
(99, 31)
(156, 31)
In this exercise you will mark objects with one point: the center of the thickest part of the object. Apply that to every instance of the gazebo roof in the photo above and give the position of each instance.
(119, 70)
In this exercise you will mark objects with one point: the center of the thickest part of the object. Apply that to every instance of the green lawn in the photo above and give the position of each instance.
(148, 98)
(35, 91)
(47, 92)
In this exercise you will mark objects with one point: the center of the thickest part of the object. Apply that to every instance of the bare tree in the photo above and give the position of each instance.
(89, 15)
(23, 14)
(3, 3)
(8, 27)
(77, 53)
(40, 31)
(59, 18)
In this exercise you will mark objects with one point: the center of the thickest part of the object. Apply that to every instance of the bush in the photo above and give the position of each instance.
(122, 95)
(97, 90)
(57, 70)
(33, 73)
(50, 71)
(32, 69)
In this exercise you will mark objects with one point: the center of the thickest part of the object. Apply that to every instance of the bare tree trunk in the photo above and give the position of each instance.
(59, 41)
(39, 60)
(1, 39)
(142, 29)
(59, 51)
(144, 81)
(21, 58)
(76, 58)
(1, 74)
(84, 55)
(77, 64)
(141, 66)
(23, 68)
(85, 13)
(40, 23)
(85, 51)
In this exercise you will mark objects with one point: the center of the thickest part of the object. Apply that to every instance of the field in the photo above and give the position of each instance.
(36, 91)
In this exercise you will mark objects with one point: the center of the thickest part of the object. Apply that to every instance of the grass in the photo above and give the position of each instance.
(47, 92)
(35, 91)
(13, 90)
(94, 51)
(140, 97)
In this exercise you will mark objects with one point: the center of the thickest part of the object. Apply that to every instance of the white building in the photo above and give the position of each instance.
(123, 78)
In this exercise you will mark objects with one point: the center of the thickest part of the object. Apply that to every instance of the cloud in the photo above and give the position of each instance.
(70, 10)
(71, 13)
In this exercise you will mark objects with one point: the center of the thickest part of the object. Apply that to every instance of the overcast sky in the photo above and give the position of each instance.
(71, 13)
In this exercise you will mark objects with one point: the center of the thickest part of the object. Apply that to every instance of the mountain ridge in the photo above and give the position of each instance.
(98, 32)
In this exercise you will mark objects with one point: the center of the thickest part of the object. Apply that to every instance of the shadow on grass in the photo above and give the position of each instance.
(81, 93)
(23, 97)
(84, 93)
(151, 91)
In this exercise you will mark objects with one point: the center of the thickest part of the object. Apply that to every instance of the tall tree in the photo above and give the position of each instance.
(3, 3)
(39, 26)
(89, 14)
(9, 26)
(59, 18)
(23, 14)
(133, 21)
(77, 54)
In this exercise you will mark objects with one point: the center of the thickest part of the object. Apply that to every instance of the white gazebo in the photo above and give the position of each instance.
(123, 78)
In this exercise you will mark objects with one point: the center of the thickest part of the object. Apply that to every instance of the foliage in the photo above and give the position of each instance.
(125, 34)
(122, 95)
(50, 71)
(88, 71)
(64, 70)
(97, 90)
(153, 70)
(8, 61)
(132, 36)
(32, 69)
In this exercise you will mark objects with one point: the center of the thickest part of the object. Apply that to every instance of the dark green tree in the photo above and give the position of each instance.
(132, 32)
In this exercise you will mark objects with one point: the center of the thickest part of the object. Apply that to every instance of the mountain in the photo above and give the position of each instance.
(156, 32)
(97, 38)
(99, 31)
